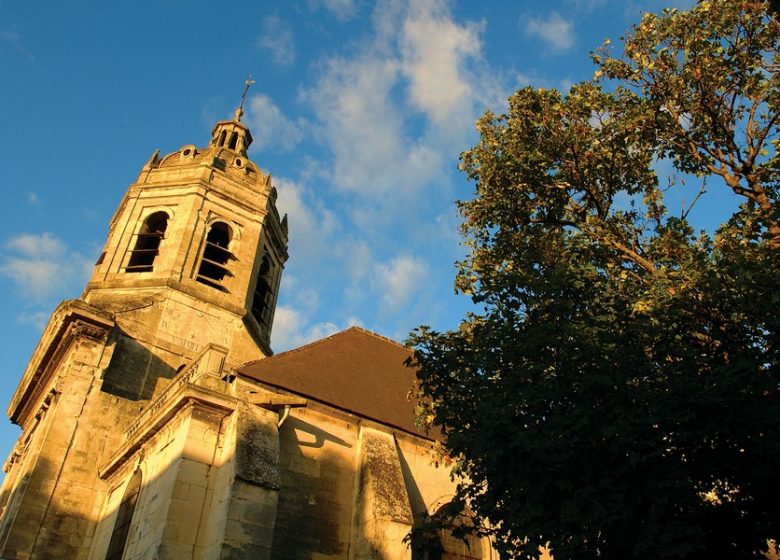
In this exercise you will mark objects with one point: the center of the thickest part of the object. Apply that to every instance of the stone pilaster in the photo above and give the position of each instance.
(382, 515)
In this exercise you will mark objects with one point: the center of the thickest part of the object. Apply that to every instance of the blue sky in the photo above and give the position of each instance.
(359, 111)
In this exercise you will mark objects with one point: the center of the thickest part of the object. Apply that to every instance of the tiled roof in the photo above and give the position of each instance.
(354, 370)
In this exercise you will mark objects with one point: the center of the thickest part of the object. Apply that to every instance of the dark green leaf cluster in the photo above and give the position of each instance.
(618, 397)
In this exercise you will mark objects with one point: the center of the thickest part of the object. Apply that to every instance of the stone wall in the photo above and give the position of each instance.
(230, 484)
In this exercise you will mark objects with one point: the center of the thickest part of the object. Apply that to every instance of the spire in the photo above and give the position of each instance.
(234, 135)
(240, 111)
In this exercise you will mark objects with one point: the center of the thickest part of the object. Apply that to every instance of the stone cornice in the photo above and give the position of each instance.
(72, 320)
(187, 286)
(188, 397)
(252, 203)
(191, 389)
(332, 410)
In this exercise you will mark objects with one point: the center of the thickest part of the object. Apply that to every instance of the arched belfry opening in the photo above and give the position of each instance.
(216, 256)
(232, 135)
(147, 243)
(264, 296)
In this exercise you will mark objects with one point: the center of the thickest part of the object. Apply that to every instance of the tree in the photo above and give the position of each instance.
(617, 394)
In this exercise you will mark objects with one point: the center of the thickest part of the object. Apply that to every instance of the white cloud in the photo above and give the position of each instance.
(341, 9)
(35, 277)
(308, 299)
(291, 202)
(32, 198)
(362, 126)
(399, 279)
(39, 319)
(434, 49)
(360, 261)
(287, 325)
(42, 266)
(392, 111)
(368, 105)
(553, 29)
(44, 245)
(271, 128)
(587, 6)
(9, 36)
(91, 213)
(311, 225)
(277, 38)
(291, 329)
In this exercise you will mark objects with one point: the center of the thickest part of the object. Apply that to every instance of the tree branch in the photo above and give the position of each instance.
(702, 190)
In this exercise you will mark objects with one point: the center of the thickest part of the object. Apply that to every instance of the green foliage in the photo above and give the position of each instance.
(618, 397)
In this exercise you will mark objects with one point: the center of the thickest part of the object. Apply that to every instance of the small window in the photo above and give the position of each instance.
(233, 141)
(263, 300)
(214, 262)
(222, 138)
(147, 243)
(124, 517)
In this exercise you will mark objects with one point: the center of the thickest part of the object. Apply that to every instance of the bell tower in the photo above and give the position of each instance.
(195, 251)
(183, 292)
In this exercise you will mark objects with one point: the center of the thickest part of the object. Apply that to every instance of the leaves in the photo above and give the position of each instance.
(618, 396)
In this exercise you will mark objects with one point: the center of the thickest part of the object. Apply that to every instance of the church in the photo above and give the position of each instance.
(158, 424)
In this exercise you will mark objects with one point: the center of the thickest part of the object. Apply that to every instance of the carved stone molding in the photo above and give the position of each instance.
(87, 330)
(55, 345)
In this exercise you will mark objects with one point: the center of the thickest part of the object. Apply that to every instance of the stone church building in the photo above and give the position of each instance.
(157, 423)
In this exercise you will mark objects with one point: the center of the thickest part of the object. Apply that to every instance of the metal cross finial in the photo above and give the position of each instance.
(247, 84)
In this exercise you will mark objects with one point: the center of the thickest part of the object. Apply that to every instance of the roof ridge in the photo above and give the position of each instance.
(377, 335)
(319, 341)
(290, 351)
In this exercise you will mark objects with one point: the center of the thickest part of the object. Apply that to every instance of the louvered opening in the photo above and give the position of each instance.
(216, 257)
(263, 298)
(147, 243)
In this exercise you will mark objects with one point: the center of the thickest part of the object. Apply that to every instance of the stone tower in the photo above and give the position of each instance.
(195, 252)
(189, 275)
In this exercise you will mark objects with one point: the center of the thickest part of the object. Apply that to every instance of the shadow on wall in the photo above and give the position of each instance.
(314, 515)
(134, 370)
(430, 539)
(318, 436)
(301, 511)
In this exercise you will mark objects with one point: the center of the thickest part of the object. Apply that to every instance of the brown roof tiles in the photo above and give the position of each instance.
(354, 370)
